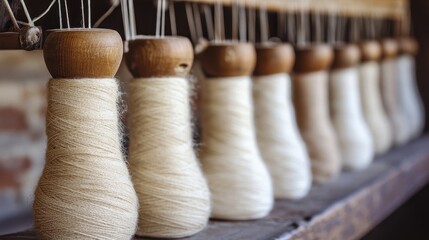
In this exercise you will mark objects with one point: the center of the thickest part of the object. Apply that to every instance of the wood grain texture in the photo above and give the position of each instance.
(9, 41)
(159, 57)
(83, 53)
(346, 56)
(272, 58)
(228, 59)
(378, 9)
(344, 209)
(313, 58)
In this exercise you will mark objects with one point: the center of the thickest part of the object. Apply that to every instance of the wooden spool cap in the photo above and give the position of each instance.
(345, 56)
(370, 51)
(408, 46)
(9, 40)
(83, 53)
(313, 58)
(228, 59)
(272, 58)
(159, 57)
(389, 48)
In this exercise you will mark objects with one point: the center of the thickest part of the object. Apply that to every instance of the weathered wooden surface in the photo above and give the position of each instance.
(344, 209)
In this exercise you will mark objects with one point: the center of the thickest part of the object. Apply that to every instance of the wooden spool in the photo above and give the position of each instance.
(159, 57)
(83, 53)
(389, 48)
(272, 58)
(346, 56)
(370, 51)
(228, 59)
(313, 58)
(408, 46)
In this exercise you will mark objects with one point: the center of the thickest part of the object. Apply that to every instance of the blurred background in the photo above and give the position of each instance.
(23, 78)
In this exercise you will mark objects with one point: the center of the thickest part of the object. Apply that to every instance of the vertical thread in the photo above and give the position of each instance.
(239, 181)
(372, 106)
(280, 143)
(85, 191)
(174, 197)
(353, 136)
(310, 96)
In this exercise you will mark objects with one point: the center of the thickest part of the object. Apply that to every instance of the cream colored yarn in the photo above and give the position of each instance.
(372, 107)
(239, 181)
(310, 96)
(85, 191)
(278, 136)
(353, 134)
(409, 95)
(401, 129)
(173, 194)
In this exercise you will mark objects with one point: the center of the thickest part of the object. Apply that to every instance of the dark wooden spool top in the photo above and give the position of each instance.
(272, 58)
(83, 53)
(228, 59)
(389, 48)
(159, 57)
(313, 58)
(345, 56)
(408, 46)
(370, 51)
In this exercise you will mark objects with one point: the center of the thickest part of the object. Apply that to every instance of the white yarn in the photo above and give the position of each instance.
(280, 143)
(85, 191)
(390, 93)
(354, 137)
(372, 107)
(239, 181)
(310, 96)
(409, 95)
(173, 194)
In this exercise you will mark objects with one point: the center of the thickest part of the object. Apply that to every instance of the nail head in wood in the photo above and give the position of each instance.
(313, 58)
(272, 58)
(159, 57)
(345, 56)
(228, 59)
(83, 53)
(389, 48)
(370, 51)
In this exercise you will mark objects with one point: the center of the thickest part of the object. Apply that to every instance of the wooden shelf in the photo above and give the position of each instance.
(344, 209)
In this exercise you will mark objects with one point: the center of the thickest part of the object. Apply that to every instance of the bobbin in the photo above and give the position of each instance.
(159, 57)
(389, 48)
(408, 46)
(346, 56)
(370, 51)
(83, 53)
(228, 59)
(272, 58)
(313, 58)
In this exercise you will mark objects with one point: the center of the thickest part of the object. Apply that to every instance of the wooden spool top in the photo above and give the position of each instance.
(159, 57)
(83, 53)
(346, 56)
(389, 48)
(313, 58)
(408, 45)
(272, 58)
(228, 59)
(370, 51)
(9, 40)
